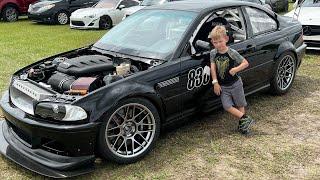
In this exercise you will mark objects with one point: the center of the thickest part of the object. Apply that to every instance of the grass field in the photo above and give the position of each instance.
(284, 144)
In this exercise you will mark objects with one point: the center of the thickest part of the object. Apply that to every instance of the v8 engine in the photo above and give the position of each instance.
(82, 74)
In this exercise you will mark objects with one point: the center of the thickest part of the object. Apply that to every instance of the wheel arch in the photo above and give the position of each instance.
(63, 10)
(106, 15)
(154, 99)
(103, 100)
(286, 46)
(13, 4)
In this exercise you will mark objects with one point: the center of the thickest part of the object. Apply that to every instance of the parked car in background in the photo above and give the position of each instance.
(11, 9)
(112, 98)
(103, 15)
(56, 11)
(144, 4)
(278, 5)
(308, 13)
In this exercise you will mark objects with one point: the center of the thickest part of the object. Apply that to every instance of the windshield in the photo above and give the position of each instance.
(107, 4)
(311, 3)
(152, 2)
(148, 33)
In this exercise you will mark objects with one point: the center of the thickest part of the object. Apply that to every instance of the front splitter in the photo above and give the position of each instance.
(13, 154)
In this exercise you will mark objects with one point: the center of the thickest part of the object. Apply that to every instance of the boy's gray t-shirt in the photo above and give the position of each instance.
(224, 62)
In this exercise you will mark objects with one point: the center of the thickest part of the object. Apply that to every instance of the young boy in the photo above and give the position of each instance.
(225, 64)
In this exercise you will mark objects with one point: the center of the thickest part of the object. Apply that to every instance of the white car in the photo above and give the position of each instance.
(103, 15)
(308, 13)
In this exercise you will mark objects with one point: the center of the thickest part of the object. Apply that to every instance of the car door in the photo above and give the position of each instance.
(265, 39)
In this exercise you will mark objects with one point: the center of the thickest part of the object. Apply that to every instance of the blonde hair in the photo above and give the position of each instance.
(218, 32)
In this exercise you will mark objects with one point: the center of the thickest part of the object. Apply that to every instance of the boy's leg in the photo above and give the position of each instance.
(241, 109)
(227, 103)
(240, 101)
(235, 112)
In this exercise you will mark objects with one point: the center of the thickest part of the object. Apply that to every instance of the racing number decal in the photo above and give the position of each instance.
(198, 77)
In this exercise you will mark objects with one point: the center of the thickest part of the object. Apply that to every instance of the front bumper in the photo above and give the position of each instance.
(42, 17)
(312, 41)
(84, 23)
(53, 150)
(311, 36)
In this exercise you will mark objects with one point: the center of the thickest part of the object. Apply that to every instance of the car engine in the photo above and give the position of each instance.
(82, 74)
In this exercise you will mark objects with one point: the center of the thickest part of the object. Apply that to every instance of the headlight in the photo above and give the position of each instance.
(45, 8)
(61, 112)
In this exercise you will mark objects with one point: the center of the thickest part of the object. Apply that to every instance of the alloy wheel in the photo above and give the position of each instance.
(285, 72)
(11, 14)
(62, 18)
(130, 130)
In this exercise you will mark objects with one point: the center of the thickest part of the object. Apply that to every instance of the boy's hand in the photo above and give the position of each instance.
(233, 71)
(217, 89)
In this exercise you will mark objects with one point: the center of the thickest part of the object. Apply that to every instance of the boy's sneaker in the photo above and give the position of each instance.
(244, 124)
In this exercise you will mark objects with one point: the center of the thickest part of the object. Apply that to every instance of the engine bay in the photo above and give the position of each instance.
(80, 74)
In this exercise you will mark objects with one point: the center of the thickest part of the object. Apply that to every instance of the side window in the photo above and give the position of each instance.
(260, 21)
(132, 3)
(231, 18)
(124, 2)
(129, 3)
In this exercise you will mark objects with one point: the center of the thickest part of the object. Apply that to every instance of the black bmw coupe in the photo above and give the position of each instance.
(111, 99)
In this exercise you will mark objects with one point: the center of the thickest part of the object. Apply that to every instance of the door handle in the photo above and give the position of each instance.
(251, 48)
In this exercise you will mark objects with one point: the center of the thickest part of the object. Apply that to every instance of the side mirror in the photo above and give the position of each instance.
(205, 52)
(121, 6)
(203, 45)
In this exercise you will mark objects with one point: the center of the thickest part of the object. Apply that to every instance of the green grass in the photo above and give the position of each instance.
(284, 144)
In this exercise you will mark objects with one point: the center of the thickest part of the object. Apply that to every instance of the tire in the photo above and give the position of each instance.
(62, 18)
(284, 73)
(10, 13)
(105, 22)
(124, 128)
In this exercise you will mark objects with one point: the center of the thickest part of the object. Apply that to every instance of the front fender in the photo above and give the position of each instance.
(103, 100)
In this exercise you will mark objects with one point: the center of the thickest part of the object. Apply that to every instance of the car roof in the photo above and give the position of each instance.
(200, 5)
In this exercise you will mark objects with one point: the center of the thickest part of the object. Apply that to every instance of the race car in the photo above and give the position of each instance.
(112, 98)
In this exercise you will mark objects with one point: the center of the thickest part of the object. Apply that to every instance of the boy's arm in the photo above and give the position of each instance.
(216, 86)
(244, 64)
(213, 71)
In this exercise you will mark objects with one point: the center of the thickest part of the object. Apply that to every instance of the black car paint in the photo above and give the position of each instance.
(174, 102)
(68, 6)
